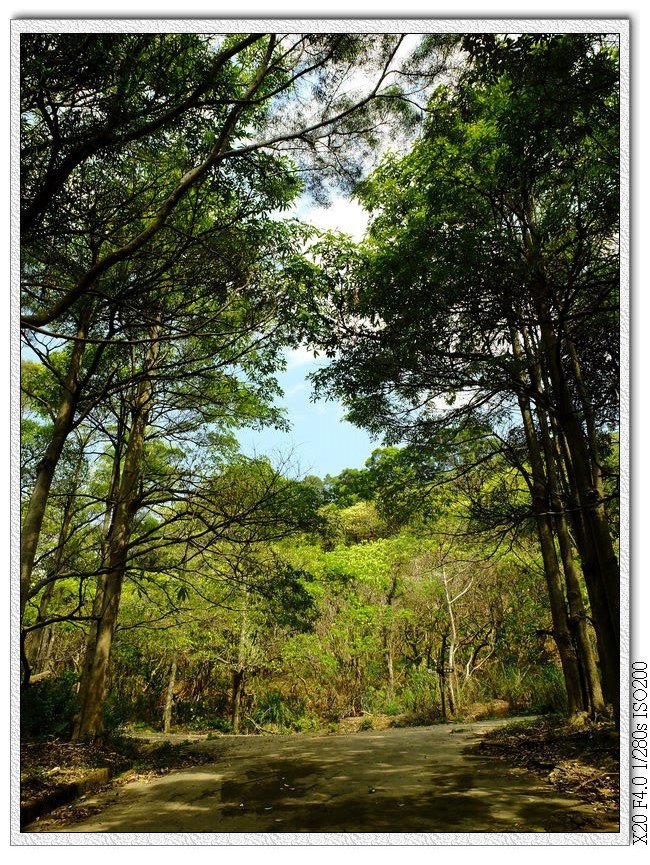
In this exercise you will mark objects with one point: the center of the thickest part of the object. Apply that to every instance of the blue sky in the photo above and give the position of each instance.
(320, 441)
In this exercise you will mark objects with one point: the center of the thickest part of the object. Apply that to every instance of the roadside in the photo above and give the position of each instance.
(582, 761)
(56, 777)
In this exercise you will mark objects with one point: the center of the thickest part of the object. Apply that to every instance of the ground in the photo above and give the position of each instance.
(423, 779)
(580, 760)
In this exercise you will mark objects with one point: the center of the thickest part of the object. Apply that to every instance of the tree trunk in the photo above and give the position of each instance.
(169, 696)
(235, 704)
(388, 640)
(578, 621)
(237, 693)
(38, 643)
(601, 569)
(452, 680)
(589, 494)
(577, 613)
(561, 630)
(238, 673)
(605, 624)
(607, 640)
(390, 690)
(89, 724)
(90, 721)
(442, 678)
(33, 519)
(584, 462)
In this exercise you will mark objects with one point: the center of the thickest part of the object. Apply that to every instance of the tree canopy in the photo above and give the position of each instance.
(473, 330)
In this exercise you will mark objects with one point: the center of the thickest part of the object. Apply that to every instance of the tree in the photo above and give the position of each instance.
(262, 596)
(491, 253)
(127, 98)
(150, 164)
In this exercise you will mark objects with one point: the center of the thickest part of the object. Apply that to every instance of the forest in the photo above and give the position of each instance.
(171, 581)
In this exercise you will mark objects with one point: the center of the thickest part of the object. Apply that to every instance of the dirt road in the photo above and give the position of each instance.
(395, 780)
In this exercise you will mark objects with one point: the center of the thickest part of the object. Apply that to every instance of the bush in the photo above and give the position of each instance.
(273, 709)
(200, 715)
(419, 695)
(221, 725)
(117, 712)
(376, 701)
(48, 708)
(536, 689)
(307, 724)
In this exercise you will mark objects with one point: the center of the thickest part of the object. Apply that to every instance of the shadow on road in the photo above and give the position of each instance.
(396, 780)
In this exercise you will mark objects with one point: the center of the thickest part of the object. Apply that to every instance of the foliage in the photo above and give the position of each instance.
(47, 707)
(162, 284)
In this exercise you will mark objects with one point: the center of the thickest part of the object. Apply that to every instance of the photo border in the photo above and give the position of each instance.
(620, 26)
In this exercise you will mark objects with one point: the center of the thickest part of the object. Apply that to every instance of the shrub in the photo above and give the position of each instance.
(47, 709)
(273, 708)
(117, 712)
(534, 689)
(392, 707)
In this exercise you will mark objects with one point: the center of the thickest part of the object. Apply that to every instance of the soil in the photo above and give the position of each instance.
(581, 761)
(423, 779)
(48, 766)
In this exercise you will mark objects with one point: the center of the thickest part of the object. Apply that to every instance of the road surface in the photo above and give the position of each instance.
(397, 780)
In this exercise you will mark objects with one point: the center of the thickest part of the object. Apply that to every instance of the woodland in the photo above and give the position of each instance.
(169, 581)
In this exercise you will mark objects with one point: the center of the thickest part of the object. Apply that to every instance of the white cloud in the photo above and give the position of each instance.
(297, 388)
(299, 357)
(342, 215)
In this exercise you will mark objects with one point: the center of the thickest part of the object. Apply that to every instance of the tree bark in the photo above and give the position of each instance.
(452, 679)
(90, 720)
(581, 448)
(577, 612)
(561, 630)
(33, 520)
(38, 643)
(607, 640)
(606, 620)
(589, 494)
(442, 678)
(388, 641)
(169, 695)
(235, 704)
(238, 673)
(390, 690)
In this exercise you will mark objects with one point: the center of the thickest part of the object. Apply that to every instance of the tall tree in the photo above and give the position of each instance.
(492, 252)
(132, 144)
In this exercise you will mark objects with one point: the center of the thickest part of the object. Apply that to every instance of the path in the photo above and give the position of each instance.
(395, 780)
